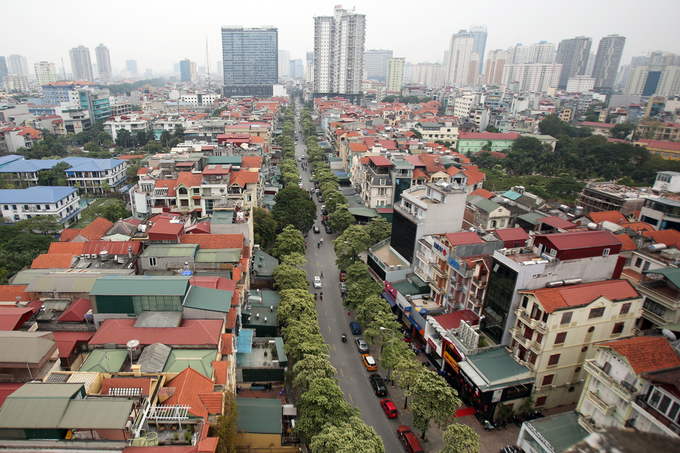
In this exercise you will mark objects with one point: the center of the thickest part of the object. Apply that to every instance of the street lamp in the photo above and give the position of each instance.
(389, 375)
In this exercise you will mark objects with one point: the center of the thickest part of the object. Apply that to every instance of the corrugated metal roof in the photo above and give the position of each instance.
(198, 359)
(218, 256)
(244, 342)
(25, 347)
(62, 283)
(170, 250)
(32, 412)
(154, 357)
(37, 194)
(105, 360)
(96, 414)
(208, 299)
(159, 319)
(259, 415)
(511, 194)
(140, 285)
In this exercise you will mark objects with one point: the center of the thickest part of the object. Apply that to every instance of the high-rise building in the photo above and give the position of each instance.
(662, 80)
(573, 55)
(3, 68)
(460, 53)
(395, 74)
(495, 60)
(187, 69)
(375, 64)
(607, 61)
(297, 69)
(430, 74)
(81, 65)
(532, 77)
(339, 52)
(590, 65)
(250, 58)
(542, 52)
(17, 65)
(45, 73)
(479, 34)
(310, 57)
(131, 65)
(103, 63)
(284, 63)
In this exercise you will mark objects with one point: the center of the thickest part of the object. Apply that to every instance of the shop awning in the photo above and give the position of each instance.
(473, 375)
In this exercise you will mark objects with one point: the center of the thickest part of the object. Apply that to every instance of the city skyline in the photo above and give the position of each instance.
(516, 24)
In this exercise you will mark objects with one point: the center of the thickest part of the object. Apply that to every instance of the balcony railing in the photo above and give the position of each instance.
(479, 283)
(424, 276)
(601, 405)
(598, 373)
(423, 257)
(587, 423)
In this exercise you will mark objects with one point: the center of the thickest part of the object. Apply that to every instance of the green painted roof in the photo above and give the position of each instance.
(199, 359)
(105, 360)
(268, 200)
(208, 299)
(269, 297)
(561, 431)
(32, 412)
(363, 211)
(499, 369)
(218, 256)
(47, 390)
(141, 285)
(672, 274)
(264, 263)
(483, 204)
(96, 414)
(262, 416)
(531, 217)
(170, 250)
(222, 217)
(224, 160)
(405, 287)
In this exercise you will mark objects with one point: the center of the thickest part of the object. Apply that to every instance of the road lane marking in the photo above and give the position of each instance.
(350, 398)
(329, 328)
(341, 372)
(334, 347)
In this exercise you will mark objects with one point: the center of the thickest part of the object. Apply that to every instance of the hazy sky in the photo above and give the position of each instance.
(160, 33)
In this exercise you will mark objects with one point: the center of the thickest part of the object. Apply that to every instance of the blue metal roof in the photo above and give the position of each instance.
(76, 163)
(88, 164)
(28, 166)
(37, 194)
(511, 194)
(244, 341)
(4, 160)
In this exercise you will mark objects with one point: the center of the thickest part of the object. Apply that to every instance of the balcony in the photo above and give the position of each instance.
(523, 315)
(423, 257)
(587, 423)
(435, 267)
(474, 301)
(599, 404)
(655, 417)
(436, 288)
(479, 283)
(423, 275)
(661, 293)
(598, 373)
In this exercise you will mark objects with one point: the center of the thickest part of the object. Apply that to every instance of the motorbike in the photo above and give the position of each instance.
(318, 245)
(344, 338)
(321, 295)
(315, 296)
(488, 425)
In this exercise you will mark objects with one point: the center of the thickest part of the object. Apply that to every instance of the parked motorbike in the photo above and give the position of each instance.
(488, 425)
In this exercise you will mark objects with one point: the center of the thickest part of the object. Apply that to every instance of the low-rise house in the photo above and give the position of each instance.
(480, 212)
(471, 142)
(27, 356)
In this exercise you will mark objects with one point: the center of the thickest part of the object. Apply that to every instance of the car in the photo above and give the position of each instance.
(316, 229)
(369, 362)
(343, 287)
(389, 407)
(318, 191)
(343, 275)
(321, 199)
(378, 384)
(354, 328)
(361, 344)
(329, 230)
(317, 281)
(409, 440)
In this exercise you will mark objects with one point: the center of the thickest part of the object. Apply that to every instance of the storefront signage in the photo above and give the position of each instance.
(441, 250)
(451, 361)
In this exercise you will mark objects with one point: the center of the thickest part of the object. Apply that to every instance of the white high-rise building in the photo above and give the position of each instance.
(607, 60)
(532, 77)
(45, 73)
(395, 74)
(430, 74)
(460, 54)
(103, 63)
(495, 61)
(542, 52)
(81, 64)
(284, 63)
(339, 52)
(17, 65)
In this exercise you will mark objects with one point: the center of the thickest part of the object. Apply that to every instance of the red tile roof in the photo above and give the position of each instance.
(221, 374)
(169, 183)
(227, 343)
(11, 318)
(191, 332)
(581, 239)
(558, 222)
(53, 261)
(187, 387)
(474, 176)
(668, 237)
(452, 320)
(417, 174)
(67, 341)
(74, 248)
(598, 125)
(638, 226)
(380, 161)
(68, 234)
(578, 295)
(213, 241)
(208, 445)
(488, 136)
(9, 293)
(97, 229)
(76, 311)
(483, 193)
(512, 234)
(607, 216)
(464, 238)
(627, 242)
(251, 161)
(645, 354)
(213, 402)
(189, 179)
(660, 144)
(222, 283)
(414, 160)
(243, 177)
(358, 147)
(112, 247)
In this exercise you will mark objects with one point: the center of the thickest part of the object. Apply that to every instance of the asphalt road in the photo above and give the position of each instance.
(334, 321)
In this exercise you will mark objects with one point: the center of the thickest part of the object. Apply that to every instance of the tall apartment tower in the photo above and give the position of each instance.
(103, 63)
(573, 55)
(251, 60)
(375, 64)
(542, 52)
(284, 63)
(460, 54)
(187, 69)
(45, 73)
(395, 74)
(3, 68)
(131, 65)
(81, 65)
(339, 52)
(17, 65)
(607, 61)
(495, 61)
(479, 34)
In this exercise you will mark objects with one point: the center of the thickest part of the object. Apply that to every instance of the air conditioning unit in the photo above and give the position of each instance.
(567, 384)
(553, 387)
(581, 381)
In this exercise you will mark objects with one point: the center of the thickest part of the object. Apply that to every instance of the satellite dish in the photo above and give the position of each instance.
(668, 334)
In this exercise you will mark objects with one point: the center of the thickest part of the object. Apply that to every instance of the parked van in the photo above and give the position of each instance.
(409, 440)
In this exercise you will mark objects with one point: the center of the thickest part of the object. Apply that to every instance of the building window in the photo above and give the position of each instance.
(596, 313)
(540, 401)
(654, 307)
(152, 262)
(539, 338)
(605, 252)
(561, 338)
(625, 308)
(618, 328)
(547, 379)
(554, 359)
(638, 262)
(566, 317)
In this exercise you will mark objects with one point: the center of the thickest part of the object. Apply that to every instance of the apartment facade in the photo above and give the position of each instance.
(250, 60)
(22, 204)
(81, 64)
(573, 55)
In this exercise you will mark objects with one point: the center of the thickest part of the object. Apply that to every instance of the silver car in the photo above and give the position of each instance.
(361, 345)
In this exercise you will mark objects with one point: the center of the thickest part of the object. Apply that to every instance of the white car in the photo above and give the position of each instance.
(317, 281)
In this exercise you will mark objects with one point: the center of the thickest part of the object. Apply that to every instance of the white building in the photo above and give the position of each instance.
(45, 73)
(16, 83)
(580, 84)
(395, 74)
(133, 124)
(339, 52)
(628, 386)
(533, 77)
(464, 105)
(16, 64)
(495, 61)
(430, 74)
(460, 54)
(21, 204)
(199, 99)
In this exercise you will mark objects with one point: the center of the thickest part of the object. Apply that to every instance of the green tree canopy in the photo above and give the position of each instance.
(341, 219)
(460, 438)
(289, 241)
(290, 277)
(41, 224)
(264, 226)
(352, 436)
(312, 367)
(293, 303)
(434, 399)
(321, 405)
(55, 176)
(293, 207)
(349, 244)
(378, 229)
